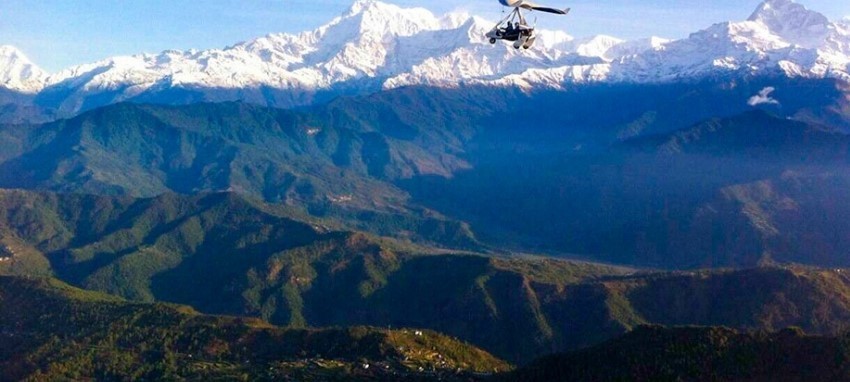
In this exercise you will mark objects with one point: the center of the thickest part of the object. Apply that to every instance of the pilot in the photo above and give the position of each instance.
(510, 27)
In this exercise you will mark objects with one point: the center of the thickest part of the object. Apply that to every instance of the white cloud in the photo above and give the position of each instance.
(763, 97)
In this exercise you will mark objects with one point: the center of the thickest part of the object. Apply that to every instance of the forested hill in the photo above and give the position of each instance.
(222, 253)
(51, 331)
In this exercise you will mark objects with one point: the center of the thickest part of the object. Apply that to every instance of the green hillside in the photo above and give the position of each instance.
(225, 254)
(652, 353)
(51, 331)
(322, 165)
(661, 183)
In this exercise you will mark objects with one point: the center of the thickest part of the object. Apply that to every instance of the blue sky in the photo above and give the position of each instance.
(57, 34)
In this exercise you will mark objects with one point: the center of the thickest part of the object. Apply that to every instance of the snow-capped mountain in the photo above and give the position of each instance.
(18, 73)
(376, 46)
(780, 36)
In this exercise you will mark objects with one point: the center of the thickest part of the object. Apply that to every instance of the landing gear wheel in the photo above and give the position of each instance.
(492, 40)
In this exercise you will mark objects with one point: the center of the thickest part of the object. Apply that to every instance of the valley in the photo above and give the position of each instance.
(390, 197)
(378, 165)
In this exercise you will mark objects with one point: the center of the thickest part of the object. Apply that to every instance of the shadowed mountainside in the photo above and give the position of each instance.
(332, 169)
(741, 191)
(223, 254)
(52, 331)
(651, 353)
(603, 178)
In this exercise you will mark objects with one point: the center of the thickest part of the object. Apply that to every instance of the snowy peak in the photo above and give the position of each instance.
(635, 47)
(370, 16)
(786, 15)
(473, 28)
(360, 5)
(375, 45)
(596, 46)
(792, 22)
(359, 43)
(455, 20)
(781, 36)
(18, 73)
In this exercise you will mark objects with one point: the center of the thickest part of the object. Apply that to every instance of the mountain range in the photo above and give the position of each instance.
(629, 186)
(52, 331)
(376, 46)
(224, 254)
(392, 176)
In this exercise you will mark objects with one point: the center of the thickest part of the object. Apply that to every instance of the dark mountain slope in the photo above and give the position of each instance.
(417, 162)
(52, 331)
(145, 151)
(276, 155)
(756, 135)
(727, 192)
(761, 298)
(221, 253)
(652, 353)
